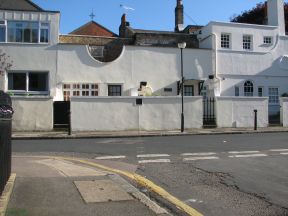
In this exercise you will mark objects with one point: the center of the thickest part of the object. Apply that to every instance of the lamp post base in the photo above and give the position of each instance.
(182, 122)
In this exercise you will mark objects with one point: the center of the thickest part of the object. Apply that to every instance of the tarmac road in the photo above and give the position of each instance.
(216, 174)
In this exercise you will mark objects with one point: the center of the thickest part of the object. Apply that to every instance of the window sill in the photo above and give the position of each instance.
(22, 43)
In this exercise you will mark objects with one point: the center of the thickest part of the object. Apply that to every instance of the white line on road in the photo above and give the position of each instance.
(152, 155)
(200, 158)
(110, 157)
(249, 155)
(284, 153)
(278, 150)
(155, 161)
(198, 154)
(243, 152)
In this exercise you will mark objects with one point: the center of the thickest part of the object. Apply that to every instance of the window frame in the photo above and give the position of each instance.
(247, 42)
(248, 90)
(27, 83)
(265, 39)
(5, 30)
(275, 96)
(236, 91)
(12, 31)
(224, 41)
(185, 90)
(85, 89)
(262, 91)
(114, 85)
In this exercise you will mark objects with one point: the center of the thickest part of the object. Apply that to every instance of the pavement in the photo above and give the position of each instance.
(53, 186)
(117, 134)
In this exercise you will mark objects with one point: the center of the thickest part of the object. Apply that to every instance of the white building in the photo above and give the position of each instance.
(250, 60)
(240, 59)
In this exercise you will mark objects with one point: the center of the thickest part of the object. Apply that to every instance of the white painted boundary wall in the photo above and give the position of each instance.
(239, 111)
(284, 111)
(122, 113)
(32, 113)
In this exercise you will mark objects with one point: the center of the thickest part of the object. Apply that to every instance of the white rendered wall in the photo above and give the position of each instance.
(122, 113)
(284, 111)
(239, 111)
(160, 67)
(32, 113)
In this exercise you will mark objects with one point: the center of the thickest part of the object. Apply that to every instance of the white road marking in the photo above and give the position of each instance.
(284, 153)
(155, 161)
(152, 155)
(243, 152)
(249, 155)
(278, 150)
(200, 158)
(193, 201)
(198, 154)
(110, 157)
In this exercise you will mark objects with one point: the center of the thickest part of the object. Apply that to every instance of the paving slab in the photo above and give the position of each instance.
(101, 191)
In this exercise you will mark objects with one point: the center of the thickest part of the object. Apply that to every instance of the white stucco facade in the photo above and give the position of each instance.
(240, 63)
(122, 113)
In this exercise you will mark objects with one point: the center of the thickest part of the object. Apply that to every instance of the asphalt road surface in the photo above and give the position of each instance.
(215, 174)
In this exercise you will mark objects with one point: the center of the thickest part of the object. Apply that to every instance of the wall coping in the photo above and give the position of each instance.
(133, 97)
(235, 98)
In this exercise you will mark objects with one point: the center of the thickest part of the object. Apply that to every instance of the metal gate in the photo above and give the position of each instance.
(61, 114)
(209, 117)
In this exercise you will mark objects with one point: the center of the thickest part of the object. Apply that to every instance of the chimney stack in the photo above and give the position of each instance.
(123, 25)
(276, 15)
(179, 16)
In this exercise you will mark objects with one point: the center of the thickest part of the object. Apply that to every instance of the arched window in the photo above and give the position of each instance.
(248, 88)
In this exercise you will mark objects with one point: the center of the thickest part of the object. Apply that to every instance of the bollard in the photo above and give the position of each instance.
(69, 123)
(255, 119)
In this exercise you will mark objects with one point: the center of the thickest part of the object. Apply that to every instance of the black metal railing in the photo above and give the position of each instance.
(6, 113)
(209, 117)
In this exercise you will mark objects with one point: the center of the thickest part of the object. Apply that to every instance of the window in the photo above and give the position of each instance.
(44, 32)
(79, 89)
(188, 90)
(2, 31)
(248, 88)
(260, 91)
(114, 90)
(204, 92)
(34, 83)
(27, 32)
(237, 91)
(267, 40)
(225, 41)
(273, 95)
(247, 42)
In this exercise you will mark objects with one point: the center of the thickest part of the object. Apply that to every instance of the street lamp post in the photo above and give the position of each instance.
(182, 46)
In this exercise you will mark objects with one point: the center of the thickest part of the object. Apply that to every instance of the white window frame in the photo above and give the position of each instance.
(273, 98)
(262, 91)
(247, 42)
(5, 26)
(267, 40)
(26, 91)
(248, 93)
(237, 91)
(225, 40)
(39, 27)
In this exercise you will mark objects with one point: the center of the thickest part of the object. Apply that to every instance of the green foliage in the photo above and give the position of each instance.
(257, 15)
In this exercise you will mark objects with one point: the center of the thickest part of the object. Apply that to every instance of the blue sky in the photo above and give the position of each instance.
(148, 14)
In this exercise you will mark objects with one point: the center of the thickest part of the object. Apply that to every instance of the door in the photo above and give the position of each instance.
(61, 114)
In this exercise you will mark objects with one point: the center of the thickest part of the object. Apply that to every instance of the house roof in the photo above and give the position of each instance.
(21, 5)
(93, 28)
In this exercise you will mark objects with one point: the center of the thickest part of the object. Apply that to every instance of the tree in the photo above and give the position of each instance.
(5, 62)
(257, 15)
